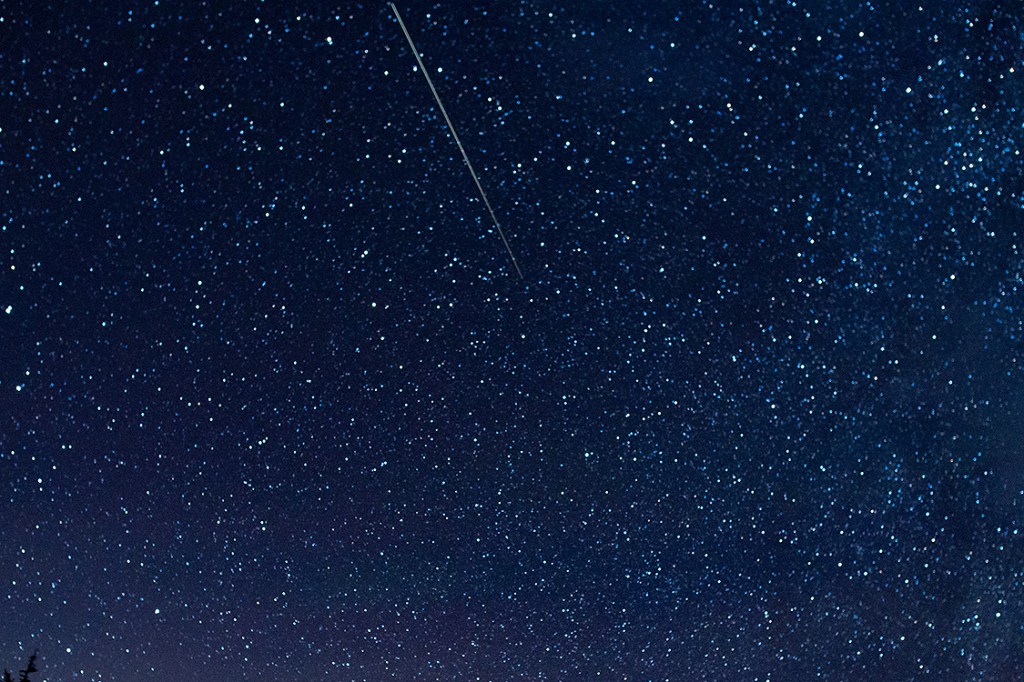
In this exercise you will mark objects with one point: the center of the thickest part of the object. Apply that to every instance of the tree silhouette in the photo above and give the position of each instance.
(30, 668)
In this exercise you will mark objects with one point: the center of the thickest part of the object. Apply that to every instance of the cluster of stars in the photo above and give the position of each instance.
(275, 403)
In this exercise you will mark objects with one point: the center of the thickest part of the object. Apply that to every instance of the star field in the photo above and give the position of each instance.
(275, 403)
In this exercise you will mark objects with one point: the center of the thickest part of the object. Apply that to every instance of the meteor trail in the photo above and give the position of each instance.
(451, 127)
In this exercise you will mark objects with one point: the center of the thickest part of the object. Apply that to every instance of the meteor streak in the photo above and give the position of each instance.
(451, 127)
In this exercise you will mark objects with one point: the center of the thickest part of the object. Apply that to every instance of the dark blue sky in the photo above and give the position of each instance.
(275, 404)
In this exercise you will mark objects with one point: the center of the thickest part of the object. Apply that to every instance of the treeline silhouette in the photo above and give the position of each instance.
(23, 674)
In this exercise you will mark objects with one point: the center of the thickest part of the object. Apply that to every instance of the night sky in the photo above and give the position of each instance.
(275, 404)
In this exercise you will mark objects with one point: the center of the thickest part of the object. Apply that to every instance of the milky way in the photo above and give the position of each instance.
(275, 403)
